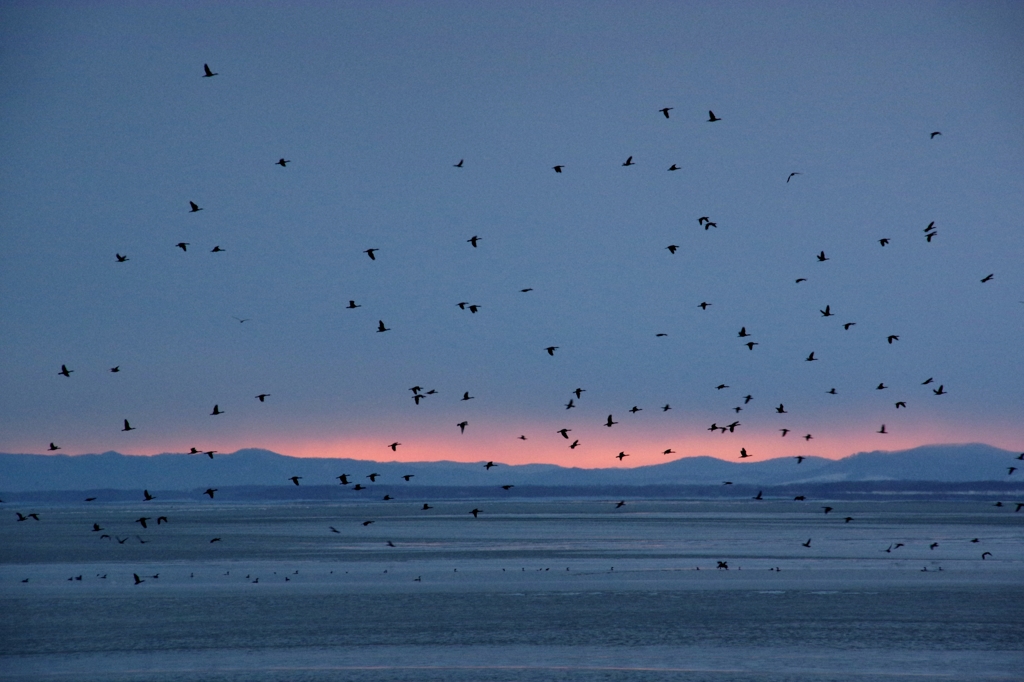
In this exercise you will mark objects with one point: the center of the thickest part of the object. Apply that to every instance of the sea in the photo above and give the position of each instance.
(528, 589)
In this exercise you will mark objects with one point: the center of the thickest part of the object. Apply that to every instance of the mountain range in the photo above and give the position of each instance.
(255, 467)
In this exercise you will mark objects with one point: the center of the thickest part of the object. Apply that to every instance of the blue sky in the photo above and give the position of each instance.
(110, 131)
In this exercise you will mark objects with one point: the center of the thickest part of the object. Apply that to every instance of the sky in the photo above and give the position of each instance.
(110, 130)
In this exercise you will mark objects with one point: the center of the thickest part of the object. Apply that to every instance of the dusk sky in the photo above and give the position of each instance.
(110, 130)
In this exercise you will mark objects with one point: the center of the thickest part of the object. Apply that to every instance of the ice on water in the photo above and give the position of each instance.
(531, 590)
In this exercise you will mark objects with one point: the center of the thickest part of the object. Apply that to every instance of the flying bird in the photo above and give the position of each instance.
(551, 350)
(806, 544)
(206, 74)
(475, 512)
(210, 492)
(882, 430)
(575, 444)
(900, 404)
(635, 409)
(467, 396)
(489, 465)
(369, 252)
(987, 278)
(195, 207)
(381, 327)
(216, 410)
(712, 118)
(459, 164)
(672, 248)
(792, 174)
(53, 447)
(781, 409)
(352, 305)
(473, 240)
(142, 520)
(665, 111)
(822, 257)
(127, 426)
(578, 391)
(558, 169)
(621, 456)
(811, 358)
(939, 390)
(183, 245)
(115, 370)
(147, 496)
(564, 432)
(609, 423)
(294, 479)
(758, 495)
(629, 162)
(883, 241)
(932, 136)
(784, 432)
(743, 453)
(262, 397)
(893, 337)
(462, 426)
(569, 405)
(827, 312)
(673, 167)
(64, 371)
(120, 258)
(847, 325)
(136, 575)
(217, 249)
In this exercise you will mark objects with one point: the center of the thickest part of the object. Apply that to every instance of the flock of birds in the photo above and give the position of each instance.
(419, 394)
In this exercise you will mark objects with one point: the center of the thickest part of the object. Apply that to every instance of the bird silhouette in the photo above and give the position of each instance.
(784, 432)
(806, 544)
(352, 305)
(467, 396)
(210, 492)
(827, 509)
(822, 257)
(194, 207)
(206, 74)
(881, 387)
(758, 496)
(882, 430)
(712, 118)
(811, 358)
(381, 327)
(139, 580)
(670, 451)
(621, 456)
(665, 111)
(475, 512)
(282, 162)
(719, 387)
(578, 391)
(932, 137)
(551, 350)
(120, 258)
(673, 167)
(64, 371)
(147, 496)
(294, 479)
(527, 289)
(635, 409)
(743, 332)
(900, 404)
(489, 465)
(473, 240)
(367, 523)
(575, 444)
(672, 248)
(425, 507)
(781, 409)
(792, 174)
(751, 344)
(373, 477)
(940, 390)
(629, 162)
(507, 487)
(808, 437)
(183, 245)
(703, 305)
(262, 397)
(344, 479)
(53, 447)
(609, 423)
(984, 554)
(370, 252)
(115, 370)
(827, 312)
(558, 169)
(743, 453)
(210, 453)
(161, 519)
(883, 241)
(462, 426)
(217, 249)
(142, 520)
(893, 337)
(987, 278)
(216, 410)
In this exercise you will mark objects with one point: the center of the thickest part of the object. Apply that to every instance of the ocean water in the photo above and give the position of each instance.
(534, 590)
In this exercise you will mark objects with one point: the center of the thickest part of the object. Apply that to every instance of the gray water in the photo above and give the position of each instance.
(540, 590)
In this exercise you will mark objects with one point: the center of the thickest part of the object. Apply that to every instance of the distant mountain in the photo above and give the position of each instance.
(252, 467)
